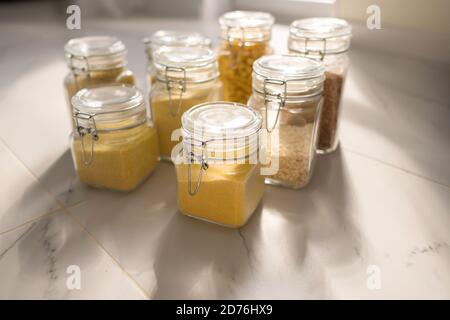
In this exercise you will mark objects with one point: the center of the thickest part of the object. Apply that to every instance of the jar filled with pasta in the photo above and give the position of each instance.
(327, 40)
(170, 38)
(287, 91)
(245, 37)
(185, 77)
(95, 61)
(113, 144)
(218, 171)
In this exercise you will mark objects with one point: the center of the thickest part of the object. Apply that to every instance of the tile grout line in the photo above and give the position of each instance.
(62, 207)
(417, 175)
(138, 287)
(44, 216)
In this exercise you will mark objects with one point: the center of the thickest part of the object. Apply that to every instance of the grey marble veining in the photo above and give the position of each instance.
(34, 260)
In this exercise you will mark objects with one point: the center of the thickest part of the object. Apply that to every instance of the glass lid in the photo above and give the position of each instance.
(110, 102)
(320, 28)
(98, 52)
(246, 19)
(288, 67)
(246, 25)
(319, 36)
(288, 73)
(218, 120)
(94, 46)
(185, 63)
(176, 38)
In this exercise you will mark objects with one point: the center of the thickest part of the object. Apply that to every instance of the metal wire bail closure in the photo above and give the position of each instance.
(234, 62)
(179, 84)
(268, 97)
(76, 71)
(203, 167)
(321, 52)
(82, 131)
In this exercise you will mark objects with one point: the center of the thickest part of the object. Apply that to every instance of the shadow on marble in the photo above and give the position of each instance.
(34, 260)
(129, 225)
(199, 260)
(63, 179)
(22, 198)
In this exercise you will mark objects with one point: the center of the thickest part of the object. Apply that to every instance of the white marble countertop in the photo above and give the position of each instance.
(380, 204)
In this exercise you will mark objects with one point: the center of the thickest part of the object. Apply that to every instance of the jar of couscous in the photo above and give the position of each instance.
(287, 91)
(113, 144)
(245, 37)
(186, 77)
(170, 38)
(327, 40)
(218, 170)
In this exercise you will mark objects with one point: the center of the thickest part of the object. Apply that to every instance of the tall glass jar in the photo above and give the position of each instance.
(95, 61)
(287, 91)
(218, 170)
(113, 144)
(328, 40)
(185, 77)
(245, 37)
(170, 38)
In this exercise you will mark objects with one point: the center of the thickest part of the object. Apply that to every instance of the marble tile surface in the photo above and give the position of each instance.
(396, 110)
(382, 201)
(313, 243)
(22, 198)
(36, 261)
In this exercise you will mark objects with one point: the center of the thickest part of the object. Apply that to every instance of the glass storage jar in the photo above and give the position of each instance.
(245, 37)
(287, 91)
(113, 144)
(185, 77)
(217, 170)
(170, 38)
(95, 61)
(328, 40)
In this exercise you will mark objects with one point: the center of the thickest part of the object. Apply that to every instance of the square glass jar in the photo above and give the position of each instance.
(245, 37)
(287, 92)
(185, 77)
(326, 40)
(218, 172)
(113, 144)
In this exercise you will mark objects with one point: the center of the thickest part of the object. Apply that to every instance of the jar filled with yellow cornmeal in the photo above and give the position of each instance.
(327, 40)
(185, 77)
(170, 38)
(113, 144)
(218, 170)
(245, 37)
(95, 61)
(287, 91)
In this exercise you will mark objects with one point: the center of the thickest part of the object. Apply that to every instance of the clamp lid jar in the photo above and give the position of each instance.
(185, 77)
(174, 38)
(113, 145)
(287, 91)
(218, 171)
(245, 37)
(319, 36)
(328, 40)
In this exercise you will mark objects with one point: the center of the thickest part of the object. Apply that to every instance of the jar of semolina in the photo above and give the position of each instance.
(95, 61)
(327, 40)
(287, 91)
(170, 38)
(113, 145)
(245, 37)
(185, 77)
(217, 170)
